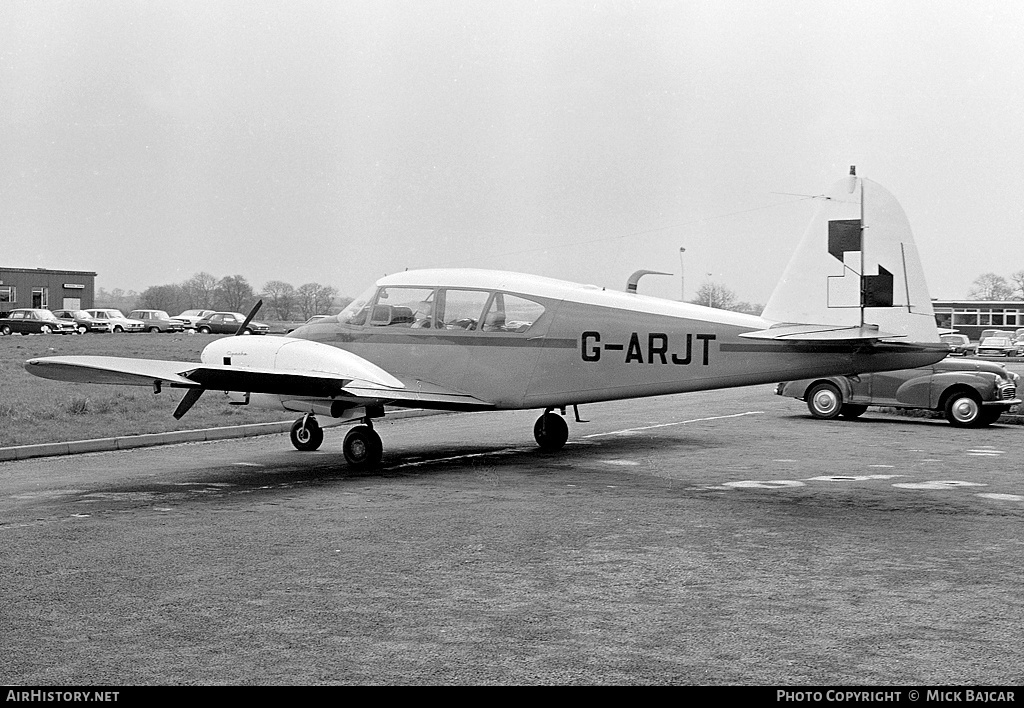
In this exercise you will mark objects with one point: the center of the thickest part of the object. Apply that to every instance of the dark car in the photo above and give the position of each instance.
(34, 321)
(157, 321)
(971, 393)
(83, 321)
(996, 346)
(228, 323)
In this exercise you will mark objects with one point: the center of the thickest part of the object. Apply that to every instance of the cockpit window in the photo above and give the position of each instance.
(405, 307)
(511, 313)
(356, 311)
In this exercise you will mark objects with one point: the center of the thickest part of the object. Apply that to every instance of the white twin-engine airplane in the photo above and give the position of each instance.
(852, 300)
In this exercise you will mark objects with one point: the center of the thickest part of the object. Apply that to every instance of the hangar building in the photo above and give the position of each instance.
(48, 289)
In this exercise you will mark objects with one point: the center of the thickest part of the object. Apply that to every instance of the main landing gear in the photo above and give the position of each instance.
(362, 446)
(550, 431)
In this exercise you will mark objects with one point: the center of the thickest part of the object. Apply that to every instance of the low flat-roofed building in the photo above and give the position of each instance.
(46, 288)
(971, 317)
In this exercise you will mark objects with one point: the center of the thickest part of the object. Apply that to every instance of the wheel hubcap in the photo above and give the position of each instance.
(965, 410)
(825, 401)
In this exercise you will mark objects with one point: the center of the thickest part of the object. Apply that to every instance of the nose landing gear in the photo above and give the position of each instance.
(307, 435)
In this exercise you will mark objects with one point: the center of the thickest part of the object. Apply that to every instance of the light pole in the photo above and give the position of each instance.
(682, 281)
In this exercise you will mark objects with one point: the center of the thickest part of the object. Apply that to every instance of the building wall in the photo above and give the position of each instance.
(49, 289)
(970, 317)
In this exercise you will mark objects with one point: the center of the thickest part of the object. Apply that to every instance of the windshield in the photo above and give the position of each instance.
(356, 311)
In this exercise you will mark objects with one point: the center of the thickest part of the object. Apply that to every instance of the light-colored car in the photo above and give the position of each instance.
(116, 320)
(959, 344)
(34, 321)
(997, 346)
(189, 318)
(970, 393)
(157, 321)
(311, 320)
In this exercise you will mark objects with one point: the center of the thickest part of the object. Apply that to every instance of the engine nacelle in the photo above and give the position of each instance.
(295, 355)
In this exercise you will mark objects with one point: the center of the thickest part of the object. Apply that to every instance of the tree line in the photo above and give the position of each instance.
(232, 293)
(992, 286)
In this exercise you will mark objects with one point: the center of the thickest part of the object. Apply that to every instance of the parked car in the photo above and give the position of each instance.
(83, 321)
(228, 323)
(116, 320)
(311, 320)
(959, 344)
(157, 321)
(997, 346)
(34, 321)
(189, 318)
(970, 393)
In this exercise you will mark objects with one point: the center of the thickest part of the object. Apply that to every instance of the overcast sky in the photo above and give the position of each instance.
(337, 141)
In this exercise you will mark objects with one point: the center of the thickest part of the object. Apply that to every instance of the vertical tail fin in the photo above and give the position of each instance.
(857, 266)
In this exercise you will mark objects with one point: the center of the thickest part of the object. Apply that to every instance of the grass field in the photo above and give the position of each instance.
(35, 410)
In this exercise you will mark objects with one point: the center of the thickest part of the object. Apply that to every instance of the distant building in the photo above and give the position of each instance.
(47, 289)
(970, 317)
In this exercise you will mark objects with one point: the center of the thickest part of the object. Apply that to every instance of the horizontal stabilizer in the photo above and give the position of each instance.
(820, 333)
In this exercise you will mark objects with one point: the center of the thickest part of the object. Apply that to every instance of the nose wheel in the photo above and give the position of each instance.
(550, 431)
(307, 435)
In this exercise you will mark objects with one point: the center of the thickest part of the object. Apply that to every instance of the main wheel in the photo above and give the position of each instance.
(824, 401)
(362, 447)
(550, 432)
(963, 410)
(307, 437)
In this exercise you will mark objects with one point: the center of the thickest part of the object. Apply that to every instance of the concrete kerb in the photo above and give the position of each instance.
(128, 442)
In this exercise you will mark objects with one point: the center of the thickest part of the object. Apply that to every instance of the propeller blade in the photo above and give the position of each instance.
(248, 318)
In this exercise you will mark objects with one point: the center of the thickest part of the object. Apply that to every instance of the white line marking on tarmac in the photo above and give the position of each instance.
(630, 431)
(1002, 497)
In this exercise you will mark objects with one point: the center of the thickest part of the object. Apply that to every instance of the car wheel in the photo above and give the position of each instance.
(45, 329)
(5, 330)
(204, 330)
(153, 330)
(82, 329)
(963, 410)
(118, 329)
(824, 401)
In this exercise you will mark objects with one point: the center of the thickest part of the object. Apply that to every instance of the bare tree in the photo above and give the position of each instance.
(714, 295)
(1017, 283)
(990, 286)
(280, 297)
(201, 291)
(314, 299)
(171, 298)
(234, 293)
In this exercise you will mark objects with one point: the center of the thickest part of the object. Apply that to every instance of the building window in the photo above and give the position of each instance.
(8, 295)
(40, 297)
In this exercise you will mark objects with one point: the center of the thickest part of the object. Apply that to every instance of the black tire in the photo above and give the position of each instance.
(852, 410)
(824, 401)
(153, 330)
(5, 330)
(963, 410)
(309, 437)
(204, 330)
(550, 431)
(990, 415)
(118, 329)
(362, 447)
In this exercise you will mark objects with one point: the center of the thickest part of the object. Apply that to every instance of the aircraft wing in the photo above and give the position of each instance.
(819, 333)
(287, 382)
